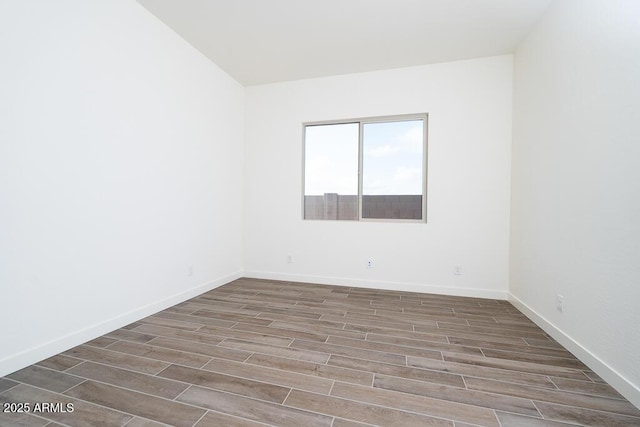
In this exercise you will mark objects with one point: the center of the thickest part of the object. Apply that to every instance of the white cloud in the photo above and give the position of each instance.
(411, 140)
(404, 180)
(324, 175)
(382, 151)
(408, 175)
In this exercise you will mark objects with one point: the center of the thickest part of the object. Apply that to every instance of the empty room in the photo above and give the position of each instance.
(339, 213)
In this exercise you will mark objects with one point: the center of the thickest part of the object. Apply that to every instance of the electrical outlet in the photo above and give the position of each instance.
(559, 303)
(190, 271)
(289, 259)
(370, 263)
(457, 270)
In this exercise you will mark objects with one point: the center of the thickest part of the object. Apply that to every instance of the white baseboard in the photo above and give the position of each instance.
(57, 345)
(377, 284)
(606, 372)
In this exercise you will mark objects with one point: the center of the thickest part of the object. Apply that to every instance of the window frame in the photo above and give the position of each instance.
(361, 122)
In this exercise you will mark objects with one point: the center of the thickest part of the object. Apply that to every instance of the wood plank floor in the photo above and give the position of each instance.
(256, 353)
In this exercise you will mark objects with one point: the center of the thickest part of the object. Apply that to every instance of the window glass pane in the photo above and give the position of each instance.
(392, 168)
(331, 171)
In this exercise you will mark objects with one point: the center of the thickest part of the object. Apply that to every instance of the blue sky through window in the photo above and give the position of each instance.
(392, 158)
(331, 159)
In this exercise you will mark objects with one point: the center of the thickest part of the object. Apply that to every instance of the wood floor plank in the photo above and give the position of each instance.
(340, 307)
(164, 331)
(339, 422)
(60, 362)
(260, 353)
(594, 377)
(425, 318)
(172, 323)
(293, 352)
(45, 378)
(113, 358)
(141, 422)
(571, 362)
(203, 349)
(275, 317)
(362, 412)
(217, 419)
(436, 377)
(271, 376)
(101, 342)
(390, 318)
(259, 337)
(482, 372)
(246, 318)
(129, 335)
(319, 327)
(586, 387)
(545, 343)
(515, 420)
(453, 394)
(6, 384)
(132, 402)
(228, 383)
(518, 348)
(490, 322)
(284, 302)
(336, 308)
(288, 333)
(84, 413)
(368, 329)
(404, 304)
(255, 410)
(387, 348)
(225, 301)
(366, 322)
(491, 331)
(161, 353)
(587, 417)
(188, 308)
(424, 344)
(442, 310)
(136, 324)
(194, 320)
(420, 404)
(515, 365)
(218, 297)
(470, 335)
(358, 353)
(545, 395)
(15, 419)
(128, 379)
(352, 376)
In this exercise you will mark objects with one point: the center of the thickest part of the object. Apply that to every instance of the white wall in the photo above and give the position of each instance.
(120, 167)
(576, 183)
(469, 105)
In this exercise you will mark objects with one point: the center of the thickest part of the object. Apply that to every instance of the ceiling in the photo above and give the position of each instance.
(265, 41)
